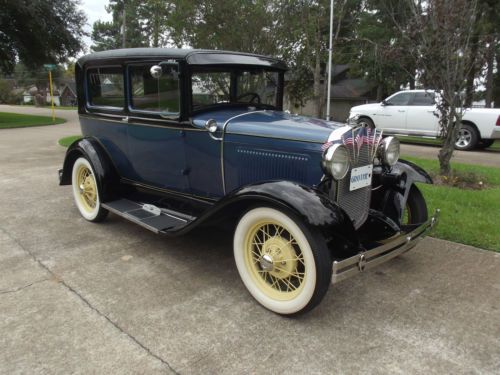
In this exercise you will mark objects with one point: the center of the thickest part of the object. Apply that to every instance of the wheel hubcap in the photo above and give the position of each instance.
(464, 138)
(87, 188)
(275, 261)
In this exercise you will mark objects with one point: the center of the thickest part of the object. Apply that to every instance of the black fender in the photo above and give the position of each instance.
(392, 198)
(106, 176)
(310, 205)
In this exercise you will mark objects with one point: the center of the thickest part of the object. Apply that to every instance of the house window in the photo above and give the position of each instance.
(160, 94)
(105, 87)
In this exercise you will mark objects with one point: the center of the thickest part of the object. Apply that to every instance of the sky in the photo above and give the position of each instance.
(95, 11)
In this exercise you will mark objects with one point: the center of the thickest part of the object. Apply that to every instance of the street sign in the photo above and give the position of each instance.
(49, 66)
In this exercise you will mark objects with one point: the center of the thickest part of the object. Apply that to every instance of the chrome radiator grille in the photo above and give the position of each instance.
(361, 150)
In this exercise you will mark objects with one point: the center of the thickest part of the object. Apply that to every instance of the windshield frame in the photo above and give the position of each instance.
(233, 70)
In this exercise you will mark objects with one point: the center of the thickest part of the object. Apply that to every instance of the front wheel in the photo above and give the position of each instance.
(283, 264)
(416, 208)
(86, 192)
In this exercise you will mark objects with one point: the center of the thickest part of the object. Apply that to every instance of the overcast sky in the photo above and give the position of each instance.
(95, 11)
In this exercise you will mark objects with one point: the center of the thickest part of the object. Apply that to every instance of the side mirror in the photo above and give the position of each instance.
(211, 125)
(383, 103)
(156, 71)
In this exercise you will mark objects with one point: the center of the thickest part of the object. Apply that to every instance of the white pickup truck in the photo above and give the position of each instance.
(412, 113)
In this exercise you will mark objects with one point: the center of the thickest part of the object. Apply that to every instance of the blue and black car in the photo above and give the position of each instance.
(177, 138)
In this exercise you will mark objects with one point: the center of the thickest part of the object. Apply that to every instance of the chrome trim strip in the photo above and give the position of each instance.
(271, 137)
(222, 144)
(133, 121)
(349, 267)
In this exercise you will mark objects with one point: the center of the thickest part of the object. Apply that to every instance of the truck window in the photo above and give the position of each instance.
(399, 99)
(423, 99)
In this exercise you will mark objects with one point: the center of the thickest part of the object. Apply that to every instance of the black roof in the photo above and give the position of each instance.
(191, 56)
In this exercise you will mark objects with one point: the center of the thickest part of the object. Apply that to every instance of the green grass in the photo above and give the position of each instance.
(437, 142)
(470, 217)
(64, 107)
(67, 141)
(15, 120)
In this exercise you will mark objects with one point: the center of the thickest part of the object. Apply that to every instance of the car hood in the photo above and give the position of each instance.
(272, 124)
(365, 107)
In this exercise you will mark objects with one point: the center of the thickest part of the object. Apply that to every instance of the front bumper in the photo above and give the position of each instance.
(365, 260)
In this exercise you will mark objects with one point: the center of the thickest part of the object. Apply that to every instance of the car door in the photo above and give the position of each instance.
(391, 116)
(420, 117)
(155, 135)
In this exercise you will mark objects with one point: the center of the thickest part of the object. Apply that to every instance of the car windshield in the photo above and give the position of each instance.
(256, 87)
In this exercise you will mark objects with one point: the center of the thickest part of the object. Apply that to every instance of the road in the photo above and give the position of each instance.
(77, 297)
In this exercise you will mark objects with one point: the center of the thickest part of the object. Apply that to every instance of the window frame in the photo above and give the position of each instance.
(411, 94)
(88, 103)
(153, 114)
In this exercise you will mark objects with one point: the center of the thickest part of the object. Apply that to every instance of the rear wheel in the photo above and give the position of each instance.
(86, 192)
(467, 138)
(415, 211)
(284, 266)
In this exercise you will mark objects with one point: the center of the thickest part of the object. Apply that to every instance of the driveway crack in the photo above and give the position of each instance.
(84, 300)
(22, 287)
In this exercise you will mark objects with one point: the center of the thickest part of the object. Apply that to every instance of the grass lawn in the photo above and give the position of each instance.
(436, 142)
(471, 217)
(67, 141)
(15, 120)
(65, 107)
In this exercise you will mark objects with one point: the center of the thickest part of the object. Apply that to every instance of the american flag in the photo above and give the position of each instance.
(326, 146)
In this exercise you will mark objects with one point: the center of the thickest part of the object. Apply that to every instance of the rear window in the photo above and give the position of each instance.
(105, 87)
(423, 98)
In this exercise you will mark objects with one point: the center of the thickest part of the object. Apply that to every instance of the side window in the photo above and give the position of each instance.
(105, 87)
(155, 94)
(210, 88)
(423, 99)
(400, 99)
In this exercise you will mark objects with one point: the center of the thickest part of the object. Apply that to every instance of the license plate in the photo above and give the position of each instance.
(361, 177)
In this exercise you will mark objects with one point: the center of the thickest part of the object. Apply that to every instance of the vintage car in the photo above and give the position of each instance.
(174, 139)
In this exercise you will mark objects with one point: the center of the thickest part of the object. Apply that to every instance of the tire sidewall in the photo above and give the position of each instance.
(94, 214)
(306, 295)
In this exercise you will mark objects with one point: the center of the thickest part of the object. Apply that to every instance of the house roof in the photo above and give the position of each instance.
(351, 88)
(71, 86)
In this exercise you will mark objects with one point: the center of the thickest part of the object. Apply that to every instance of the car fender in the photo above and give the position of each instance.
(312, 206)
(105, 172)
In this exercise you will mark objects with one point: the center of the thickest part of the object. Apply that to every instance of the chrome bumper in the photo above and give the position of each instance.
(346, 268)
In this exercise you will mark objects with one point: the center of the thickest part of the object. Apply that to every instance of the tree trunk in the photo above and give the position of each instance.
(124, 27)
(471, 75)
(412, 83)
(490, 60)
(380, 91)
(452, 127)
(496, 83)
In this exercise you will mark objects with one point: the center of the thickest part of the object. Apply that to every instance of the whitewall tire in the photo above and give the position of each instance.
(284, 266)
(86, 192)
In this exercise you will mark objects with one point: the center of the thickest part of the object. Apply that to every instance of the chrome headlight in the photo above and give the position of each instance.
(388, 151)
(336, 161)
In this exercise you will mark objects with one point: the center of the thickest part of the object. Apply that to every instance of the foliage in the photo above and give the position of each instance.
(39, 31)
(67, 141)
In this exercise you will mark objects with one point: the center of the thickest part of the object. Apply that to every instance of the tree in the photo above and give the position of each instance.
(39, 31)
(442, 31)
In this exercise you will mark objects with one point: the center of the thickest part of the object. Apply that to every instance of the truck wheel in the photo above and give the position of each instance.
(284, 265)
(485, 143)
(85, 191)
(416, 208)
(365, 121)
(467, 138)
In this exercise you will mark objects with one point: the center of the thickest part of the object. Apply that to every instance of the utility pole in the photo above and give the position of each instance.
(330, 50)
(124, 26)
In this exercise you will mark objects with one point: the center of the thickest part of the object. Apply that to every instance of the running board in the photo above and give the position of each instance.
(155, 219)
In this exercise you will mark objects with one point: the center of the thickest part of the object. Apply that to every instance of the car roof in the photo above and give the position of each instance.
(191, 56)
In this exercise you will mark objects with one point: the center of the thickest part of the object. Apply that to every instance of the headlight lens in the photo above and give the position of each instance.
(388, 151)
(336, 161)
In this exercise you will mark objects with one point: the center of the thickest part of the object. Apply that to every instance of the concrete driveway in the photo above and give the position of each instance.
(77, 297)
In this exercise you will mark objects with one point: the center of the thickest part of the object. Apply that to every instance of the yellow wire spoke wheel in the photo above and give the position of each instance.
(85, 191)
(277, 262)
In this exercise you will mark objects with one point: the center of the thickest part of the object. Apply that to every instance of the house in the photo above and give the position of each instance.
(346, 92)
(68, 94)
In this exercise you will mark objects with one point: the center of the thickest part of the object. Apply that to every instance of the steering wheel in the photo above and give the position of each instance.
(253, 95)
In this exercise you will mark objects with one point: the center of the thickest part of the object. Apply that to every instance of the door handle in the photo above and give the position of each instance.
(401, 110)
(125, 119)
